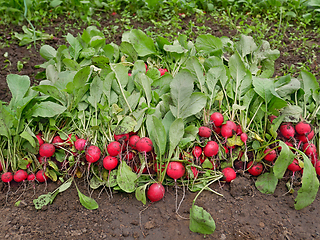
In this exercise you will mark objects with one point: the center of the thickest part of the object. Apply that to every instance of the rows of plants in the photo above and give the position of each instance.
(143, 114)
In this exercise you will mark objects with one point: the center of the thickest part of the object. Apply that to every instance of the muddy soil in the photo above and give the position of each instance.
(242, 213)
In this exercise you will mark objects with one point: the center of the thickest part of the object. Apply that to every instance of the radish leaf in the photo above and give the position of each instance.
(266, 183)
(201, 221)
(283, 161)
(141, 193)
(87, 202)
(126, 178)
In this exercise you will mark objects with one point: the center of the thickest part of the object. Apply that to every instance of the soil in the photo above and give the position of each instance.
(242, 213)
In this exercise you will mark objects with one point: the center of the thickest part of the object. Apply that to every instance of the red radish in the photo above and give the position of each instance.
(244, 138)
(40, 140)
(256, 168)
(129, 74)
(31, 177)
(129, 156)
(239, 130)
(272, 117)
(202, 159)
(46, 150)
(310, 149)
(229, 174)
(195, 172)
(287, 130)
(226, 149)
(306, 137)
(41, 176)
(313, 159)
(196, 152)
(110, 163)
(175, 170)
(228, 129)
(294, 166)
(162, 71)
(114, 148)
(204, 132)
(146, 66)
(20, 175)
(133, 141)
(7, 177)
(113, 13)
(93, 154)
(271, 155)
(144, 145)
(211, 149)
(317, 166)
(155, 192)
(217, 119)
(240, 154)
(303, 128)
(69, 140)
(121, 137)
(80, 144)
(217, 130)
(57, 141)
(289, 144)
(41, 159)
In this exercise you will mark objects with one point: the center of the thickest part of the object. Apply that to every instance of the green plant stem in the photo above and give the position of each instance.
(194, 200)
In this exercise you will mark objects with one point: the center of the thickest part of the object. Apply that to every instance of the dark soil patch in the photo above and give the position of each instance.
(243, 212)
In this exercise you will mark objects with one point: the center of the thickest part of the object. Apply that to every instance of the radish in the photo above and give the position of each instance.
(93, 154)
(306, 137)
(229, 174)
(69, 140)
(7, 177)
(271, 155)
(289, 144)
(196, 152)
(211, 149)
(217, 130)
(255, 169)
(294, 166)
(41, 176)
(129, 156)
(110, 163)
(129, 74)
(228, 129)
(317, 166)
(239, 130)
(41, 159)
(287, 130)
(40, 140)
(57, 141)
(310, 149)
(272, 117)
(80, 144)
(195, 172)
(133, 141)
(114, 148)
(46, 150)
(175, 170)
(303, 128)
(244, 138)
(162, 71)
(121, 137)
(204, 132)
(144, 145)
(31, 177)
(217, 119)
(155, 192)
(20, 175)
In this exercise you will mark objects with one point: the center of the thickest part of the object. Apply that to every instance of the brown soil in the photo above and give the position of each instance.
(243, 212)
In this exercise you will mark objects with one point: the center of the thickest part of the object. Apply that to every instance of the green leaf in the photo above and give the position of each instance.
(65, 185)
(128, 49)
(197, 102)
(28, 137)
(141, 193)
(176, 133)
(291, 113)
(265, 88)
(208, 44)
(51, 91)
(309, 84)
(145, 82)
(284, 159)
(174, 48)
(48, 52)
(47, 109)
(87, 202)
(95, 92)
(126, 178)
(159, 135)
(18, 85)
(110, 180)
(75, 46)
(194, 66)
(95, 183)
(127, 125)
(143, 44)
(310, 185)
(42, 200)
(246, 45)
(201, 221)
(267, 183)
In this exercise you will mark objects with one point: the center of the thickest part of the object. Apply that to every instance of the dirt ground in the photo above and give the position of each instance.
(243, 212)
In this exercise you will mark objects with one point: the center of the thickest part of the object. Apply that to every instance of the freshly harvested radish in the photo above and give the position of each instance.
(229, 174)
(114, 148)
(175, 170)
(57, 141)
(239, 130)
(40, 140)
(7, 177)
(129, 156)
(80, 144)
(47, 150)
(271, 155)
(121, 137)
(31, 177)
(294, 166)
(20, 175)
(69, 140)
(211, 149)
(144, 145)
(195, 172)
(133, 141)
(155, 192)
(310, 149)
(287, 130)
(93, 154)
(196, 152)
(228, 129)
(1, 168)
(317, 166)
(110, 163)
(162, 71)
(244, 138)
(41, 176)
(217, 130)
(303, 128)
(272, 117)
(217, 119)
(204, 132)
(255, 169)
